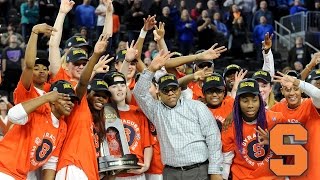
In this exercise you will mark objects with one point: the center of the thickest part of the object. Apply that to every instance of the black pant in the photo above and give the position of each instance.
(198, 173)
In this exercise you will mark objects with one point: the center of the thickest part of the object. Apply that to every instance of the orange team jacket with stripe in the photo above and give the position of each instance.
(81, 143)
(137, 132)
(27, 147)
(156, 166)
(309, 117)
(254, 162)
(223, 111)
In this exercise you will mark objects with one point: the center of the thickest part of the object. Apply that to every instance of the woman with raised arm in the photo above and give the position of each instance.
(38, 136)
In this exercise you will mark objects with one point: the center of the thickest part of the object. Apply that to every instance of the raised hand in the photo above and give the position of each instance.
(267, 43)
(108, 4)
(285, 80)
(239, 77)
(315, 59)
(158, 33)
(212, 53)
(202, 74)
(43, 29)
(101, 45)
(131, 52)
(263, 136)
(149, 23)
(159, 61)
(102, 65)
(66, 6)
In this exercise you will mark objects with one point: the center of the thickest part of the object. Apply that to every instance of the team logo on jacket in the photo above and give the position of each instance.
(132, 133)
(42, 149)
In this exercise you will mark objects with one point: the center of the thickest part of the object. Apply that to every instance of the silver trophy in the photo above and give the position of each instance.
(114, 150)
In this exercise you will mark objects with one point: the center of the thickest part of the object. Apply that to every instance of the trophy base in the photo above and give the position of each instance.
(108, 163)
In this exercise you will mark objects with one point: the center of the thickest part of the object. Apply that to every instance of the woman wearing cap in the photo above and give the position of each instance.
(62, 67)
(295, 108)
(241, 147)
(134, 122)
(97, 96)
(33, 80)
(264, 80)
(78, 158)
(38, 136)
(214, 90)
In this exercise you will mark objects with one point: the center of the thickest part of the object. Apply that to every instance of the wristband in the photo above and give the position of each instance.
(307, 67)
(143, 33)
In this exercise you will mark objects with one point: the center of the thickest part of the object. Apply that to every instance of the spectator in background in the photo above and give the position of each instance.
(4, 8)
(317, 5)
(5, 37)
(155, 8)
(134, 20)
(101, 16)
(29, 17)
(247, 7)
(221, 27)
(206, 31)
(183, 5)
(259, 34)
(196, 12)
(263, 11)
(174, 12)
(297, 7)
(169, 27)
(300, 53)
(212, 8)
(282, 9)
(86, 17)
(47, 11)
(12, 64)
(292, 2)
(186, 28)
(152, 46)
(238, 31)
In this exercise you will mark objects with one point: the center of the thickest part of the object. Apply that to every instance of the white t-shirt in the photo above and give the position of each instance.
(101, 19)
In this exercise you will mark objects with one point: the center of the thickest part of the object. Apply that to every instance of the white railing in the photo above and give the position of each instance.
(287, 38)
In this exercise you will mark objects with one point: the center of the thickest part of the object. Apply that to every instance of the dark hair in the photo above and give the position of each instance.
(238, 120)
(99, 121)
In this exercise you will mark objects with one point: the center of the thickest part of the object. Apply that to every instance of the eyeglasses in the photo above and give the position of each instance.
(167, 90)
(203, 65)
(214, 90)
(79, 63)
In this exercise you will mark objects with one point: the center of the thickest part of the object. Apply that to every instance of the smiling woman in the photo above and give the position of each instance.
(135, 124)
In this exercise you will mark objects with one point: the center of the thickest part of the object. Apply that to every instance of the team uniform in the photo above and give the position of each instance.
(78, 158)
(196, 89)
(62, 75)
(156, 167)
(303, 114)
(27, 147)
(253, 163)
(138, 136)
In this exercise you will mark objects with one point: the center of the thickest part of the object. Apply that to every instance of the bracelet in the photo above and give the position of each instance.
(143, 33)
(307, 67)
(34, 32)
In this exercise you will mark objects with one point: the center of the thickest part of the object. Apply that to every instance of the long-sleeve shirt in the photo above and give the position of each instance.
(186, 34)
(188, 132)
(268, 63)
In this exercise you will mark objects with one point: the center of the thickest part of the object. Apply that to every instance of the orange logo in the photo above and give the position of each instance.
(278, 146)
